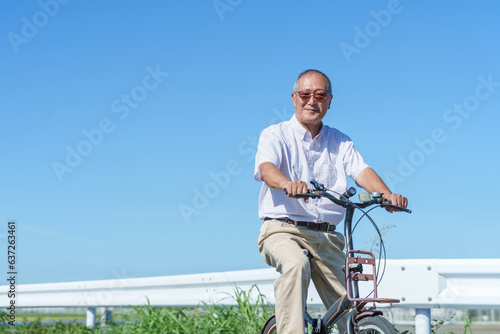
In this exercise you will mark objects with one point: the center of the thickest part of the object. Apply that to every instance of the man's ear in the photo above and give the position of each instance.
(330, 102)
(293, 100)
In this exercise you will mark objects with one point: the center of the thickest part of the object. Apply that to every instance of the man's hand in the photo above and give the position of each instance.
(396, 199)
(275, 179)
(295, 187)
(370, 180)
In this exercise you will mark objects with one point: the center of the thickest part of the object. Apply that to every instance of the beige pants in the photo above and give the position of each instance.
(301, 254)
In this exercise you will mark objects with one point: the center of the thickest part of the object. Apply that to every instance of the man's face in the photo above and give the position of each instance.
(310, 112)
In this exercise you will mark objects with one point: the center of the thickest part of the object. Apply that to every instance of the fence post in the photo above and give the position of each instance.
(91, 317)
(422, 321)
(108, 316)
(105, 316)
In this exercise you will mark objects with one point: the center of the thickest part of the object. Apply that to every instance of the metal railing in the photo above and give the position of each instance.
(421, 284)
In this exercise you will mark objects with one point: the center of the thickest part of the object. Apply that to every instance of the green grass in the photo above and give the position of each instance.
(467, 325)
(247, 316)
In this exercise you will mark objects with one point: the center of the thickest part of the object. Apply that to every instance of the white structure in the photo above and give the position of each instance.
(422, 284)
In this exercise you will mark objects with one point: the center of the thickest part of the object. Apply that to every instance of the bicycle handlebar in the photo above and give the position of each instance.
(344, 200)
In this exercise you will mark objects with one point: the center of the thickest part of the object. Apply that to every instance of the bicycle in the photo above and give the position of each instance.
(359, 320)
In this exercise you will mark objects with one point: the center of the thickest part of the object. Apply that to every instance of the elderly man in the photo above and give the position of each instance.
(289, 155)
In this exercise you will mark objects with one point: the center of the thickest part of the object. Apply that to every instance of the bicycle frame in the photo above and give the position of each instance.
(351, 278)
(352, 299)
(350, 303)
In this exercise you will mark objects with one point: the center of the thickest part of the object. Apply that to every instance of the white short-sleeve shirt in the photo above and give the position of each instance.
(328, 159)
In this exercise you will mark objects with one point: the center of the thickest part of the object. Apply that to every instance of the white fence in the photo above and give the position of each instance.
(422, 284)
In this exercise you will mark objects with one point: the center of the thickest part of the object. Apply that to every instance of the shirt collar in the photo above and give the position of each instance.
(301, 131)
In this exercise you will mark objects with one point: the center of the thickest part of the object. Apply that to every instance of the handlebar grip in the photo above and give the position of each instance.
(399, 208)
(308, 195)
(304, 195)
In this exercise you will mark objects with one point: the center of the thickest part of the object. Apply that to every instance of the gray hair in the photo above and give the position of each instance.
(311, 71)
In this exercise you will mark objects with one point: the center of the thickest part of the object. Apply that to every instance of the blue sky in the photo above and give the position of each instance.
(128, 129)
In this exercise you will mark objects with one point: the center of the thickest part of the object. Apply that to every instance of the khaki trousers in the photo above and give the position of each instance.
(299, 255)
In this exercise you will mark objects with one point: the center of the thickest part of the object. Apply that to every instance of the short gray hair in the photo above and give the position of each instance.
(311, 71)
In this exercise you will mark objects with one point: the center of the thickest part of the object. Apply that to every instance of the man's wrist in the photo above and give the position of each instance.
(284, 184)
(387, 194)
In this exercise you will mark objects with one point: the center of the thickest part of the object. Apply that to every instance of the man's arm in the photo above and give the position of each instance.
(275, 179)
(371, 182)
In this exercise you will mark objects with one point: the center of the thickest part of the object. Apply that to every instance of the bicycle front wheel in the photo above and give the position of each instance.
(374, 325)
(270, 327)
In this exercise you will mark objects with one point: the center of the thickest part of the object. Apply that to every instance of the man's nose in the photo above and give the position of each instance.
(312, 100)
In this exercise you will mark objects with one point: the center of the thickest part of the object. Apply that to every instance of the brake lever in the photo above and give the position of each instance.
(318, 186)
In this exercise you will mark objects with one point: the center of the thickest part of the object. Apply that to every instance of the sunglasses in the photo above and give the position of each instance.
(306, 95)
